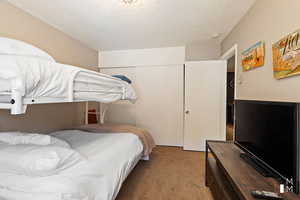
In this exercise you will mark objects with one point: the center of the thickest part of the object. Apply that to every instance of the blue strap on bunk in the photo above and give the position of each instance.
(123, 78)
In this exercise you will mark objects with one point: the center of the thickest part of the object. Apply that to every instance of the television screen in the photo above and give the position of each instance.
(269, 132)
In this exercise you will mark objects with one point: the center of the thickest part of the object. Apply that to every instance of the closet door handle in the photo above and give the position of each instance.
(187, 112)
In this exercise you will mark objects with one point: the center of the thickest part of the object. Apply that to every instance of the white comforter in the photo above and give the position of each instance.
(109, 159)
(40, 79)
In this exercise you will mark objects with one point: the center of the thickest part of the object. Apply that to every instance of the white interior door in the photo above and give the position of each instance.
(205, 103)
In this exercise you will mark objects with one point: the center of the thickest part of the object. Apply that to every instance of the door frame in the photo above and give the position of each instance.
(233, 51)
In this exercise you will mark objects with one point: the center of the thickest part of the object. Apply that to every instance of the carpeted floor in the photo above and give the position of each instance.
(171, 174)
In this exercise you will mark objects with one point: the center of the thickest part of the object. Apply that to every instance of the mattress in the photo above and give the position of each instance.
(109, 160)
(86, 88)
(41, 81)
(104, 88)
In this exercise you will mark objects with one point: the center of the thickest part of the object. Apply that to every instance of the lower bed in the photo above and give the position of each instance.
(109, 160)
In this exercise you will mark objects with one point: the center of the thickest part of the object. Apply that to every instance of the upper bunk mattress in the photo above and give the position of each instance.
(45, 81)
(93, 86)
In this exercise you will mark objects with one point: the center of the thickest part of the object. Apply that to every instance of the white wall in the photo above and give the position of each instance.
(142, 57)
(269, 21)
(209, 50)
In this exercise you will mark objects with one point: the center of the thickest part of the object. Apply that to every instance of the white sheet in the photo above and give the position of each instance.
(112, 88)
(18, 48)
(37, 160)
(42, 80)
(31, 138)
(110, 157)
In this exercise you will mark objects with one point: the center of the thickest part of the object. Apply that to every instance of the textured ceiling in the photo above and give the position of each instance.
(111, 25)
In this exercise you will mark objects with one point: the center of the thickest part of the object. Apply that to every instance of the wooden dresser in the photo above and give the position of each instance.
(231, 178)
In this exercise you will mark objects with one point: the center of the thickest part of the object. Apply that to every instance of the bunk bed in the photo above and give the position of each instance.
(30, 76)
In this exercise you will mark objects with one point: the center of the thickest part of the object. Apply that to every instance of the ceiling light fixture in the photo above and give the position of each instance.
(129, 2)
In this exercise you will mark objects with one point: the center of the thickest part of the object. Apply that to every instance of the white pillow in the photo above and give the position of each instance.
(18, 48)
(31, 138)
(35, 160)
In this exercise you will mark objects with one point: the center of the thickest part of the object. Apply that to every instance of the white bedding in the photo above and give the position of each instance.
(14, 138)
(43, 81)
(10, 46)
(113, 88)
(110, 158)
(37, 160)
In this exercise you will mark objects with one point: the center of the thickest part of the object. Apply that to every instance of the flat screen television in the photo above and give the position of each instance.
(268, 132)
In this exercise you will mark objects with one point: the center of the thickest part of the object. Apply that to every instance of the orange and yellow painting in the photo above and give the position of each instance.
(254, 56)
(286, 56)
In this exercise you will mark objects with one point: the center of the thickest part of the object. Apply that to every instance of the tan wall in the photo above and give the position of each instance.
(267, 20)
(209, 50)
(17, 24)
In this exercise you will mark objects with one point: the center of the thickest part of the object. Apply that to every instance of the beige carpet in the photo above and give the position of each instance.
(171, 174)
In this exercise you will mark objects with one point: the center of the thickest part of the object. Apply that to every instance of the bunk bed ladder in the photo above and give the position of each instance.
(100, 113)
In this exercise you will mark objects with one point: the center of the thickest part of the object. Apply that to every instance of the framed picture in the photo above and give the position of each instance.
(286, 56)
(254, 56)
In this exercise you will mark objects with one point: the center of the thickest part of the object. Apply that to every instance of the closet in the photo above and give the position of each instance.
(157, 76)
(179, 103)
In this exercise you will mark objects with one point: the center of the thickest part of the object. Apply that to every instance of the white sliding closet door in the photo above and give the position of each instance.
(160, 104)
(159, 108)
(205, 103)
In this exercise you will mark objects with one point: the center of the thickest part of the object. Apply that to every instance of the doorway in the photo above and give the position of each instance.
(230, 98)
(231, 57)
